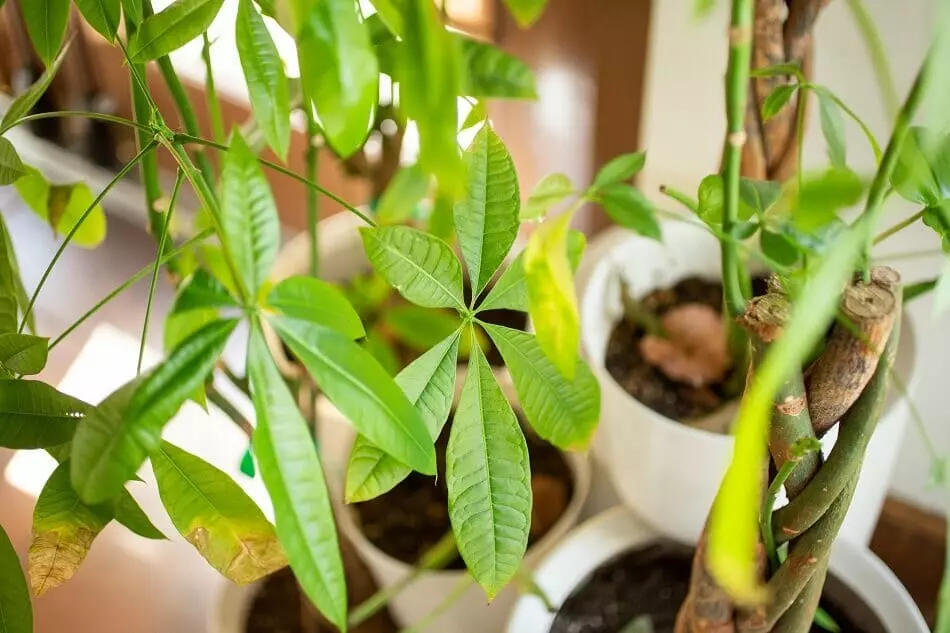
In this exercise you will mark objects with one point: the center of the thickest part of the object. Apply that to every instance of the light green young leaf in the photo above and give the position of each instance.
(629, 208)
(181, 325)
(216, 516)
(475, 116)
(757, 195)
(266, 80)
(46, 22)
(114, 440)
(248, 215)
(493, 73)
(34, 415)
(423, 268)
(551, 294)
(202, 291)
(362, 390)
(420, 328)
(14, 596)
(489, 480)
(102, 15)
(914, 177)
(510, 292)
(61, 206)
(392, 13)
(832, 127)
(173, 27)
(11, 167)
(22, 105)
(288, 463)
(526, 12)
(565, 413)
(779, 70)
(553, 189)
(316, 301)
(338, 69)
(131, 515)
(12, 291)
(407, 188)
(63, 531)
(486, 220)
(213, 259)
(429, 383)
(383, 351)
(22, 353)
(710, 196)
(619, 169)
(777, 99)
(823, 195)
(778, 247)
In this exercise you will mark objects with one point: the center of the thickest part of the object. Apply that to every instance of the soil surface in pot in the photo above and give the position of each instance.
(653, 581)
(412, 517)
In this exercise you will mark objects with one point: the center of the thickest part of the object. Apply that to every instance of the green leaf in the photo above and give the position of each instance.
(22, 353)
(216, 516)
(291, 470)
(620, 169)
(12, 291)
(552, 190)
(202, 291)
(489, 480)
(362, 390)
(213, 259)
(553, 303)
(823, 195)
(937, 217)
(510, 292)
(34, 415)
(46, 22)
(14, 596)
(338, 69)
(173, 27)
(248, 214)
(486, 220)
(429, 383)
(61, 206)
(266, 80)
(563, 412)
(441, 220)
(63, 531)
(421, 267)
(941, 301)
(181, 325)
(133, 10)
(777, 99)
(102, 15)
(404, 193)
(914, 177)
(316, 301)
(493, 73)
(790, 69)
(114, 440)
(476, 115)
(392, 13)
(757, 195)
(918, 289)
(382, 350)
(526, 12)
(629, 208)
(832, 127)
(23, 104)
(130, 514)
(778, 247)
(420, 328)
(11, 167)
(711, 199)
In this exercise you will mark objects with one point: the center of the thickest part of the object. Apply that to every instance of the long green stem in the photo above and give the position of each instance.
(882, 68)
(158, 258)
(313, 201)
(903, 224)
(687, 201)
(39, 116)
(227, 408)
(69, 236)
(128, 283)
(211, 93)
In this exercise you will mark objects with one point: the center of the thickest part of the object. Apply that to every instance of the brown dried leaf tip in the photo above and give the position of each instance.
(695, 351)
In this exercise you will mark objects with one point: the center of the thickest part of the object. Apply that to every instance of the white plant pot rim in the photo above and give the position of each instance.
(618, 530)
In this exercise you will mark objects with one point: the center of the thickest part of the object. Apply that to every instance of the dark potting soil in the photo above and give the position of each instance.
(276, 607)
(653, 581)
(412, 517)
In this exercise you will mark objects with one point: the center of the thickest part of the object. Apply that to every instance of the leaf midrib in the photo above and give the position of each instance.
(488, 476)
(459, 304)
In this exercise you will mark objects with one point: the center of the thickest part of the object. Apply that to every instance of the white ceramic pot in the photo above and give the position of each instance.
(668, 472)
(616, 531)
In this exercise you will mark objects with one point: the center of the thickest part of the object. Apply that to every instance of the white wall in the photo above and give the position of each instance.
(682, 131)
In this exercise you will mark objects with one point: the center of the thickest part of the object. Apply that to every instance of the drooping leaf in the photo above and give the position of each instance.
(937, 217)
(492, 73)
(620, 169)
(486, 220)
(266, 80)
(552, 190)
(822, 196)
(14, 596)
(181, 325)
(248, 214)
(777, 99)
(62, 206)
(338, 69)
(63, 531)
(553, 303)
(46, 22)
(130, 514)
(407, 189)
(316, 301)
(201, 291)
(362, 390)
(114, 440)
(563, 412)
(526, 12)
(420, 328)
(832, 127)
(489, 480)
(216, 516)
(34, 415)
(757, 195)
(11, 167)
(629, 208)
(420, 266)
(429, 383)
(914, 177)
(102, 15)
(171, 28)
(23, 353)
(291, 470)
(22, 105)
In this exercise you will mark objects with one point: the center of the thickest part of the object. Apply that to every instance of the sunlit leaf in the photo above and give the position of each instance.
(475, 116)
(823, 196)
(526, 12)
(619, 169)
(23, 353)
(46, 22)
(181, 325)
(23, 104)
(216, 516)
(552, 190)
(102, 15)
(489, 480)
(291, 470)
(62, 206)
(404, 193)
(492, 73)
(201, 291)
(383, 351)
(11, 167)
(14, 595)
(777, 100)
(316, 301)
(914, 177)
(563, 412)
(832, 127)
(629, 208)
(130, 514)
(173, 27)
(34, 415)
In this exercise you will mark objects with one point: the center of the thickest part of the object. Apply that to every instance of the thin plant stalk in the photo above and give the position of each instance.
(63, 114)
(211, 93)
(882, 67)
(313, 228)
(903, 224)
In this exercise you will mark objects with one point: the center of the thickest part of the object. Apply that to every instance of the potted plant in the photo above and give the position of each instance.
(223, 274)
